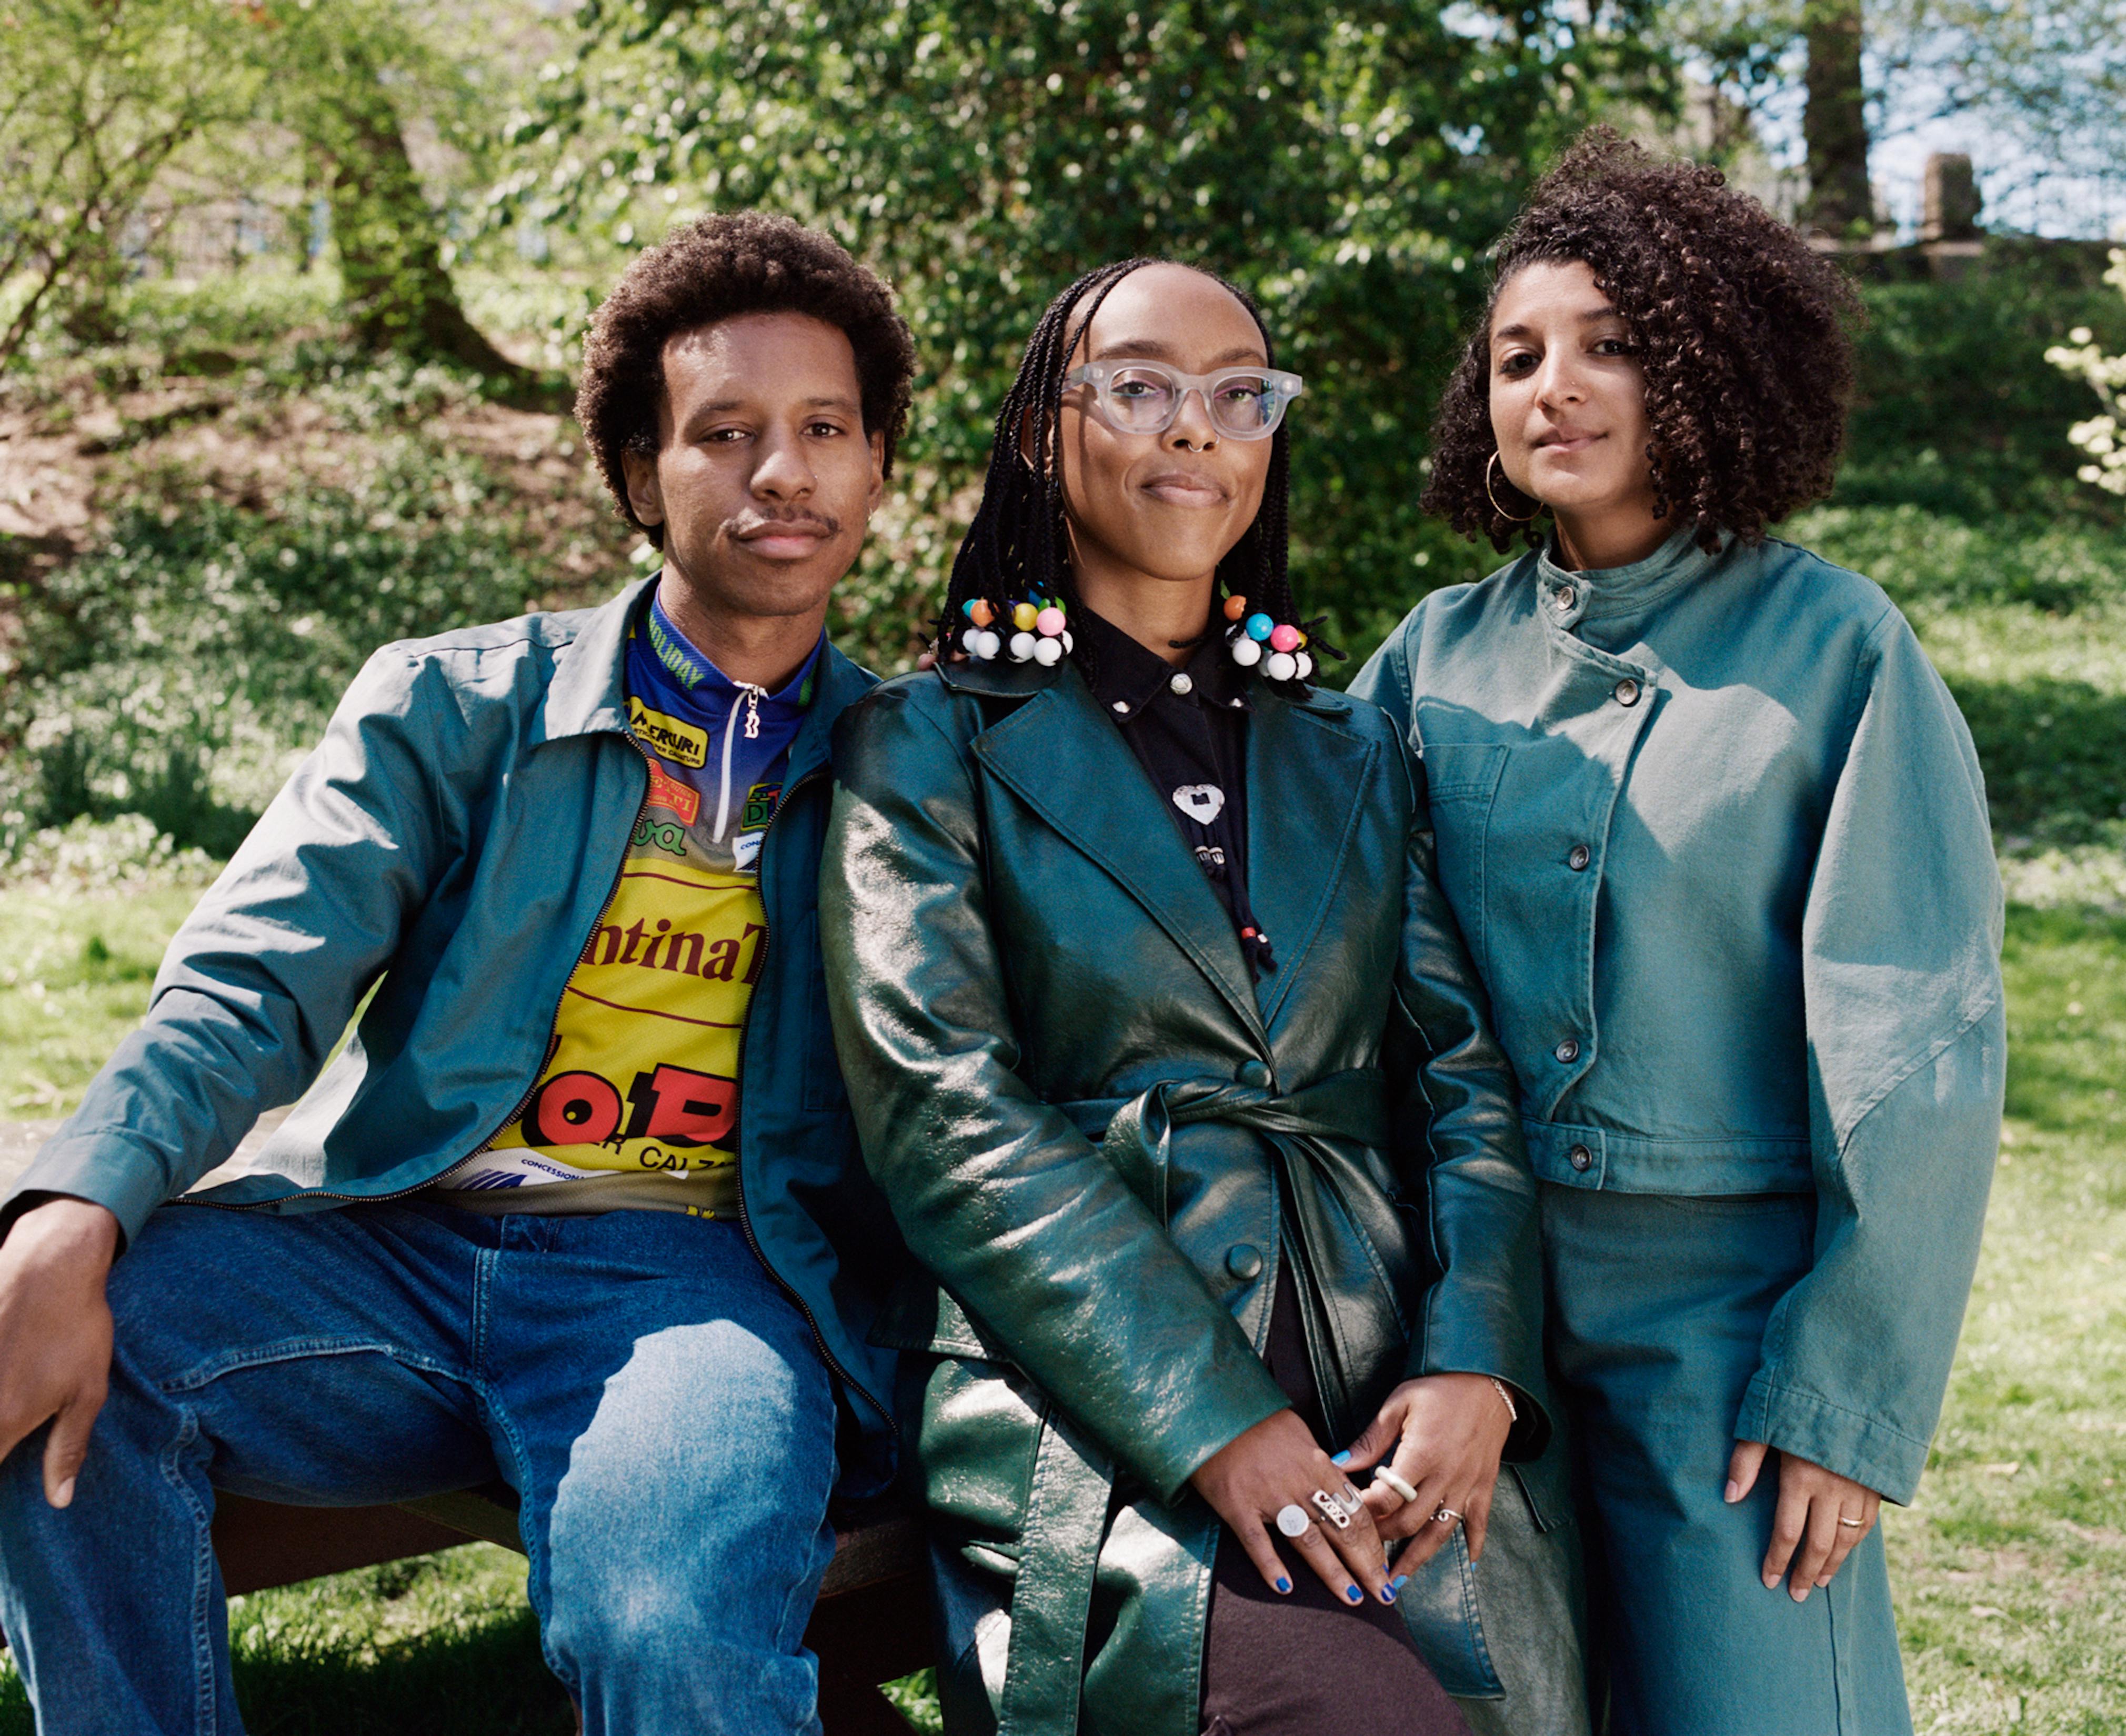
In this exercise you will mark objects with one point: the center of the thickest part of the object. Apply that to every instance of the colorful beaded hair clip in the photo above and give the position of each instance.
(1278, 646)
(1040, 632)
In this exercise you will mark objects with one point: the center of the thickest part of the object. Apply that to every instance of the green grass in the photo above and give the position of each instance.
(74, 971)
(2011, 1567)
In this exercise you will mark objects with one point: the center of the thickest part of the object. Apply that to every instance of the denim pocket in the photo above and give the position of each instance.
(1461, 779)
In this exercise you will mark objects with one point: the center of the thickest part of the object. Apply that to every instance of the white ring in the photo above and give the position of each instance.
(1292, 1521)
(1385, 1474)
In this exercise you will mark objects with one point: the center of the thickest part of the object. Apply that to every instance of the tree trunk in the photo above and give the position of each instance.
(1834, 125)
(398, 294)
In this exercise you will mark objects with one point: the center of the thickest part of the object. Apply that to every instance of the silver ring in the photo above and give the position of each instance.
(1291, 1520)
(1331, 1509)
(1444, 1514)
(1387, 1477)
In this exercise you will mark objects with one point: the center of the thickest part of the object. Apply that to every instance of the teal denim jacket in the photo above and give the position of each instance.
(1718, 837)
(451, 843)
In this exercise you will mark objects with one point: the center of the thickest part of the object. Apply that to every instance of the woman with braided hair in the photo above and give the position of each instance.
(1171, 1063)
(1718, 836)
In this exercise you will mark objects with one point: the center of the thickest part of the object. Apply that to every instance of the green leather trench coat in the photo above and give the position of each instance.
(1101, 1139)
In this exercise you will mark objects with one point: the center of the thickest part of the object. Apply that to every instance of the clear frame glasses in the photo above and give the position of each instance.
(1145, 397)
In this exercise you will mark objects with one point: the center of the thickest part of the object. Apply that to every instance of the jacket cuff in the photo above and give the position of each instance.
(1872, 1454)
(1168, 1462)
(105, 1169)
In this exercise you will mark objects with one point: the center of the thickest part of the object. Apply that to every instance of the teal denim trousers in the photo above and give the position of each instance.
(1658, 1306)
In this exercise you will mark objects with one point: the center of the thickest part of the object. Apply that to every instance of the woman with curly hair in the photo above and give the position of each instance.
(1718, 837)
(1172, 1067)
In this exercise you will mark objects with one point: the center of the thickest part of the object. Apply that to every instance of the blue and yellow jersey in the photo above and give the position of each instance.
(640, 1078)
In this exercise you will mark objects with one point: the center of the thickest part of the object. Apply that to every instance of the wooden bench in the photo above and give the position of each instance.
(870, 1626)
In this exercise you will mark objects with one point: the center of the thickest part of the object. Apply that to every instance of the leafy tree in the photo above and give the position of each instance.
(341, 70)
(96, 98)
(1347, 160)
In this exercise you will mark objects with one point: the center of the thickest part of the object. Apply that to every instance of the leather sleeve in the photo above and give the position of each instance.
(1459, 1139)
(1014, 1211)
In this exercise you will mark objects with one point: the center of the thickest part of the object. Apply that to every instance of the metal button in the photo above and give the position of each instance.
(1580, 1157)
(1580, 856)
(1568, 1051)
(1566, 597)
(1181, 683)
(1122, 706)
(1244, 1260)
(1628, 692)
(1256, 1074)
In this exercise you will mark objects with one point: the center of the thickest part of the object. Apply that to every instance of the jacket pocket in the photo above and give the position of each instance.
(1462, 779)
(976, 1433)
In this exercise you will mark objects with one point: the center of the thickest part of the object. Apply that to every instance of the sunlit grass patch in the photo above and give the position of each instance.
(74, 973)
(2010, 1568)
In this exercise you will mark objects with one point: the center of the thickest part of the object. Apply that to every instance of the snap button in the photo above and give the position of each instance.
(1628, 692)
(1568, 1051)
(1580, 1157)
(1580, 857)
(1566, 597)
(1244, 1260)
(1255, 1074)
(1181, 683)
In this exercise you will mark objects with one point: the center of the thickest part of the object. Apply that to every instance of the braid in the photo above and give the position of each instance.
(1018, 546)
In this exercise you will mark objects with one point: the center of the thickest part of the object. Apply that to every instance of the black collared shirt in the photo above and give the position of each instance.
(1187, 728)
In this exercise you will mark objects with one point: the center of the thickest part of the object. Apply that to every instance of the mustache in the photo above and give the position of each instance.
(757, 524)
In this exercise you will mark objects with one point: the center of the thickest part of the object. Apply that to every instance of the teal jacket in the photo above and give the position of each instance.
(1718, 839)
(451, 844)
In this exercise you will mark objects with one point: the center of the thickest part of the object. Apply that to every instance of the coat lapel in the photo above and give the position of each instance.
(1071, 765)
(1307, 774)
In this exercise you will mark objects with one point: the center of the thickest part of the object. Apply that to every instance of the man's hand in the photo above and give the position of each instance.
(1257, 1475)
(55, 1332)
(1442, 1435)
(1821, 1514)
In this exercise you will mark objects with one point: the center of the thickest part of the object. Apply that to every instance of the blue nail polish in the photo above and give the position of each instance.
(1284, 1585)
(1399, 1582)
(1339, 1458)
(1355, 1594)
(1387, 1594)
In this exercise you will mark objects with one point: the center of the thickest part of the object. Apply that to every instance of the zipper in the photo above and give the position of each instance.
(746, 1217)
(749, 696)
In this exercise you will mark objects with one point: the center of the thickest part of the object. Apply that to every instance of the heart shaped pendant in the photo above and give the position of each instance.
(1202, 803)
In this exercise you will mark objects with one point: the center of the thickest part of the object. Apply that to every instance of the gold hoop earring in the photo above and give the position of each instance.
(1494, 498)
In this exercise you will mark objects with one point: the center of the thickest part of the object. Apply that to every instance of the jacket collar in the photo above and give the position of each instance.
(1570, 597)
(588, 691)
(1306, 774)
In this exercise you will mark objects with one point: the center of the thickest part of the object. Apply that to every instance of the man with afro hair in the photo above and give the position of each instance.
(578, 1205)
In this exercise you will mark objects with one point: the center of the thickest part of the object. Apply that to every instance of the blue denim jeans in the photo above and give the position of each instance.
(654, 1398)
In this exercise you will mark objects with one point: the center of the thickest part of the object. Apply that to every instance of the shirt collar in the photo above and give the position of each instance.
(689, 673)
(1124, 678)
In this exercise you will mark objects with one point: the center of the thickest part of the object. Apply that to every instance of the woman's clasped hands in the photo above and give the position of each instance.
(1437, 1437)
